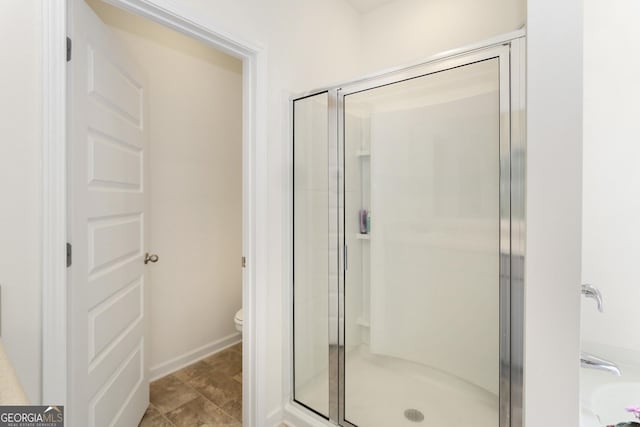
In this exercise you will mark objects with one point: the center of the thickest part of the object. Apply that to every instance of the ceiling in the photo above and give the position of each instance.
(364, 6)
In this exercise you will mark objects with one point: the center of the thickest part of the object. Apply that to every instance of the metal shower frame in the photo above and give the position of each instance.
(510, 52)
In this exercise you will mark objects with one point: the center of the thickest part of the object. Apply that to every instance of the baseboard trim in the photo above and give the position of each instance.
(177, 363)
(294, 416)
(275, 418)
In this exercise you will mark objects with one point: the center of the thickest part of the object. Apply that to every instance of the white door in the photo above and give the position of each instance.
(108, 213)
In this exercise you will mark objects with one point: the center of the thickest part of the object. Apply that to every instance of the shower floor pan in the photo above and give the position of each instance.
(381, 390)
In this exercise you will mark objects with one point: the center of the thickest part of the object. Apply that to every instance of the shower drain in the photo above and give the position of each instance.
(413, 415)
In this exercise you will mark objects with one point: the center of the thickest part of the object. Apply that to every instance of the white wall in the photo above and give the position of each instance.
(553, 212)
(20, 189)
(435, 245)
(195, 117)
(405, 31)
(611, 226)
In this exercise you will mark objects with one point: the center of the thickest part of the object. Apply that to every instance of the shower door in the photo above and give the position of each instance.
(422, 216)
(418, 173)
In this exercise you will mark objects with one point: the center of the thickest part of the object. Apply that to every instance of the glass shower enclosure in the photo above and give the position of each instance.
(408, 234)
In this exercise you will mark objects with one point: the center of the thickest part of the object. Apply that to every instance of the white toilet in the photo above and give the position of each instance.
(238, 320)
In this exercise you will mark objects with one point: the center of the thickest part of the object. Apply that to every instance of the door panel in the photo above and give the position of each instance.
(422, 303)
(108, 205)
(311, 272)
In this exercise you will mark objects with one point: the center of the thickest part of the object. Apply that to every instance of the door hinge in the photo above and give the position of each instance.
(244, 262)
(69, 254)
(68, 49)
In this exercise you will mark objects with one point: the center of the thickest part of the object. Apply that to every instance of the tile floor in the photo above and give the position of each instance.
(207, 393)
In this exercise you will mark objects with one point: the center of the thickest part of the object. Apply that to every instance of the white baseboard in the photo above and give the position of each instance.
(294, 416)
(274, 419)
(177, 363)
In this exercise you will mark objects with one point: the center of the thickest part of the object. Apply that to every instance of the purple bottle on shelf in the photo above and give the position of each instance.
(362, 214)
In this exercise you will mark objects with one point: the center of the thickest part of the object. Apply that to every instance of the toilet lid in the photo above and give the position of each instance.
(239, 316)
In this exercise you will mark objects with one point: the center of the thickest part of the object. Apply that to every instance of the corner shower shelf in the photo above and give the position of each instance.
(363, 153)
(361, 236)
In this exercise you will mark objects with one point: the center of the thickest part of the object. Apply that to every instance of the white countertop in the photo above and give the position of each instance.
(11, 392)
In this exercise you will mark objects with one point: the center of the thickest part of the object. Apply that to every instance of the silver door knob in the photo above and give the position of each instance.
(150, 258)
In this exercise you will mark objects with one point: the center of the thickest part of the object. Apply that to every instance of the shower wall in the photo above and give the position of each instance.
(434, 247)
(358, 275)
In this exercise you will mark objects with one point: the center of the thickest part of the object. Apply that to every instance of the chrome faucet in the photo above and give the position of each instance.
(590, 361)
(591, 291)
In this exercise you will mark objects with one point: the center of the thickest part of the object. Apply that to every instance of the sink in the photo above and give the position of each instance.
(604, 397)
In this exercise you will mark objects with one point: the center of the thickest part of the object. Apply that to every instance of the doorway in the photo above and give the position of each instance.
(130, 192)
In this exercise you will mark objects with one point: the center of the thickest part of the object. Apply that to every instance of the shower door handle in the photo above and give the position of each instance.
(345, 258)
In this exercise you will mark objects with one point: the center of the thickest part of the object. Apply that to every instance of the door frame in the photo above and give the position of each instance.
(54, 310)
